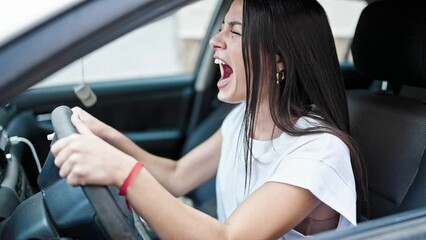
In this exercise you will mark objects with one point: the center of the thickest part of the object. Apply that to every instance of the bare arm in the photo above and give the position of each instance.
(178, 177)
(272, 210)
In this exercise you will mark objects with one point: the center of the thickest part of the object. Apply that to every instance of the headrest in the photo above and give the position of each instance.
(390, 42)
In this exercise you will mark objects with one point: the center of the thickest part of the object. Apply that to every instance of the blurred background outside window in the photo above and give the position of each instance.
(167, 47)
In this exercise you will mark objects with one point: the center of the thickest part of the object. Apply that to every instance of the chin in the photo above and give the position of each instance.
(229, 99)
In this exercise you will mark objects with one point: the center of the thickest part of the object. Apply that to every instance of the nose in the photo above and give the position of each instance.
(217, 42)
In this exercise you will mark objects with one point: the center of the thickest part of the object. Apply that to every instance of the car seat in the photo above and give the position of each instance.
(389, 125)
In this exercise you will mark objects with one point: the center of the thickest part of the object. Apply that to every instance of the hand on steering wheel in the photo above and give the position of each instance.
(85, 158)
(114, 223)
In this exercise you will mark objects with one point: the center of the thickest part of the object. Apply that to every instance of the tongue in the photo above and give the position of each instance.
(227, 71)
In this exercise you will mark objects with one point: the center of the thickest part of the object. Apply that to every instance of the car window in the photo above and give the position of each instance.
(171, 46)
(343, 17)
(164, 48)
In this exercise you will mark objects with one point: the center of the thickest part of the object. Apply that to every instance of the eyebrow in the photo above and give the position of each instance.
(233, 23)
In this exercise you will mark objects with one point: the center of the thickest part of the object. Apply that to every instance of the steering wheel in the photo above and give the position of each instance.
(112, 220)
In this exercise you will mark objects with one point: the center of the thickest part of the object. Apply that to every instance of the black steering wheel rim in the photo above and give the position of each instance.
(114, 223)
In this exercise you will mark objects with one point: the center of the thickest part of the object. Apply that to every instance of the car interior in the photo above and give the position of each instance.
(386, 92)
(390, 126)
(388, 119)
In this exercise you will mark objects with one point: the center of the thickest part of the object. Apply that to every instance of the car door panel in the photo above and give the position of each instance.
(151, 112)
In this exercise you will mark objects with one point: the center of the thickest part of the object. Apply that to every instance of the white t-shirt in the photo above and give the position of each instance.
(317, 162)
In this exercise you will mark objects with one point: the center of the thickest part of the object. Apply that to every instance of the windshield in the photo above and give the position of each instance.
(17, 16)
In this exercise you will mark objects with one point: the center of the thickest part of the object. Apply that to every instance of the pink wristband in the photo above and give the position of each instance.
(128, 181)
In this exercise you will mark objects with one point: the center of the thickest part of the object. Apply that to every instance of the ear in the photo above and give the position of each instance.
(280, 63)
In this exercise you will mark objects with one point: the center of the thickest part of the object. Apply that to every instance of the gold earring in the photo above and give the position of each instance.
(280, 77)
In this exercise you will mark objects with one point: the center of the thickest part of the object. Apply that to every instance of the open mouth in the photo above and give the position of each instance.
(225, 70)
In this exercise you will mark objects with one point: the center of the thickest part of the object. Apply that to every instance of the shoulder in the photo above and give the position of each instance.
(321, 164)
(322, 147)
(319, 146)
(322, 151)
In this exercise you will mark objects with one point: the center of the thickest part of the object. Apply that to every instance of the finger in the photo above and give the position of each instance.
(77, 174)
(72, 166)
(63, 159)
(77, 110)
(79, 171)
(67, 152)
(81, 114)
(60, 144)
(79, 125)
(73, 180)
(66, 168)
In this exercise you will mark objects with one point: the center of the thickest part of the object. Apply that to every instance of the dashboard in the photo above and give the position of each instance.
(14, 185)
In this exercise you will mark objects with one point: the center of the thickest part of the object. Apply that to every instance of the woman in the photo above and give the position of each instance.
(294, 171)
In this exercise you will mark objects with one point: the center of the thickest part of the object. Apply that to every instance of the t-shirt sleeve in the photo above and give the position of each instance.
(321, 164)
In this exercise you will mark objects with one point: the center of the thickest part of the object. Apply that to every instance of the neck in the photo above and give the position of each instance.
(264, 127)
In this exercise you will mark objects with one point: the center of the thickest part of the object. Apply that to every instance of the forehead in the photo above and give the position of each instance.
(235, 12)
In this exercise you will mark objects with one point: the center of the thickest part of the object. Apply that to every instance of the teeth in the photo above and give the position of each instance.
(218, 61)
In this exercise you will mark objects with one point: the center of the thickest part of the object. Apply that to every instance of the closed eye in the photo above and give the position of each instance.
(236, 33)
